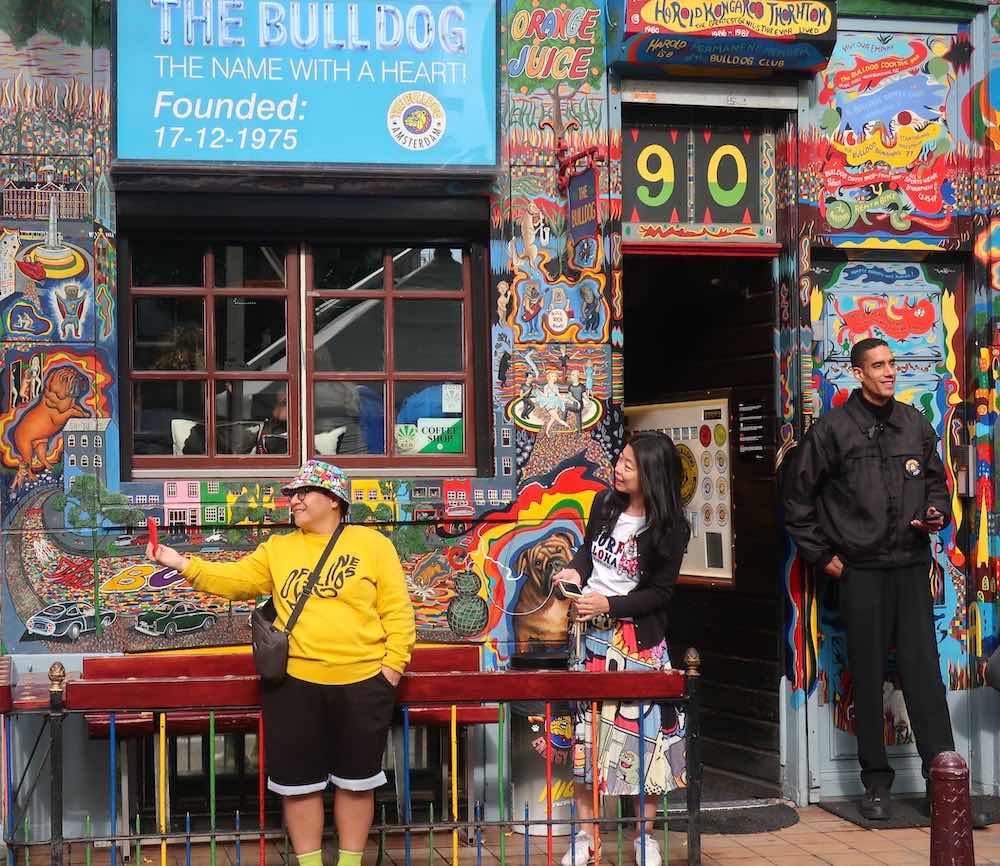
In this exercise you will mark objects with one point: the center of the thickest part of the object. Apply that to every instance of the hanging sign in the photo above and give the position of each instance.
(366, 82)
(739, 35)
(583, 205)
(684, 184)
(768, 19)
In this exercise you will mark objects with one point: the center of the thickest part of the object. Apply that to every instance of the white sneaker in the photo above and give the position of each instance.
(653, 857)
(584, 850)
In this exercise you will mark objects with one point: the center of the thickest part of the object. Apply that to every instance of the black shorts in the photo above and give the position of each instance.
(315, 735)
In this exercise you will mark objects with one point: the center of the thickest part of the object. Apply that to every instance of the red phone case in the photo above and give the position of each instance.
(152, 527)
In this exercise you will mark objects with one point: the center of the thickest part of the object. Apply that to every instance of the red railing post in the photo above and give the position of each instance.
(951, 812)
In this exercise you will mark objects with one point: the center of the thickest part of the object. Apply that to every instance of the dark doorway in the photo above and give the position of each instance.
(706, 323)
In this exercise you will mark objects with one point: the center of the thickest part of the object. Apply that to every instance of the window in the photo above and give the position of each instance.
(478, 497)
(84, 461)
(508, 496)
(213, 487)
(506, 465)
(98, 461)
(213, 337)
(71, 459)
(359, 495)
(505, 434)
(171, 488)
(71, 441)
(372, 495)
(494, 496)
(140, 500)
(98, 441)
(433, 492)
(192, 490)
(216, 334)
(154, 500)
(83, 440)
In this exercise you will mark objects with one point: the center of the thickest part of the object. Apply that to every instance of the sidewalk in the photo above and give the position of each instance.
(821, 838)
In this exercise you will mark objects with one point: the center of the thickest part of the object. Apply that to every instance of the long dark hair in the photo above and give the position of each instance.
(660, 474)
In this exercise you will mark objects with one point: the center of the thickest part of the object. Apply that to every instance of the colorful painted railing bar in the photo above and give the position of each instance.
(132, 696)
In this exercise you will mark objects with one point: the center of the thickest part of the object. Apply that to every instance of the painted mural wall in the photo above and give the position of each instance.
(477, 552)
(893, 150)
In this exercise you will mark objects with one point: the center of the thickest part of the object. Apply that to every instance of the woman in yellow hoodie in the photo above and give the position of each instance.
(326, 722)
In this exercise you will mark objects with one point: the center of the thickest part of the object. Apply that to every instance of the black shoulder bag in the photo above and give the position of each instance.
(270, 643)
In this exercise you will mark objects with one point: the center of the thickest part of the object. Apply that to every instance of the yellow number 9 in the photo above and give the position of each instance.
(664, 174)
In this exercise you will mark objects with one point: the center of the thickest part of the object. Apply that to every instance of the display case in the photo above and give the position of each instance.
(700, 428)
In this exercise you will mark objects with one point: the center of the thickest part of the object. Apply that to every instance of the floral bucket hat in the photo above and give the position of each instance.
(324, 476)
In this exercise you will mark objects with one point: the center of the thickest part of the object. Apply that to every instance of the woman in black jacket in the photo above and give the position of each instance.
(627, 567)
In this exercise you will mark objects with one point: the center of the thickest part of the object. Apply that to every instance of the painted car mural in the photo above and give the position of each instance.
(67, 620)
(171, 617)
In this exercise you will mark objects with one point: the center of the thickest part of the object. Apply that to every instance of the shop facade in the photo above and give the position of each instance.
(414, 238)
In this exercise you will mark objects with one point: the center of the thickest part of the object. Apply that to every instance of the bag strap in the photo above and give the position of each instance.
(313, 578)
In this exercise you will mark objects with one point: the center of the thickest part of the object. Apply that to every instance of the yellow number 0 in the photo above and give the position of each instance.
(727, 197)
(664, 174)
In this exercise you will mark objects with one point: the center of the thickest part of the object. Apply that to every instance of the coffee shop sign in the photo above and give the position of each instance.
(776, 19)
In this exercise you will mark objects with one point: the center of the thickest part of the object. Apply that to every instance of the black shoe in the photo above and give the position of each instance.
(875, 805)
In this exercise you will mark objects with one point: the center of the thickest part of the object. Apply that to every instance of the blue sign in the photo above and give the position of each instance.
(402, 83)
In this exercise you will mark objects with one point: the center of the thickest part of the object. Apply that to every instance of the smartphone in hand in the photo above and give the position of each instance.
(153, 536)
(568, 590)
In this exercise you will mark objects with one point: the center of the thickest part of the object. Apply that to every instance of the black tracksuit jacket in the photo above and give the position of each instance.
(855, 483)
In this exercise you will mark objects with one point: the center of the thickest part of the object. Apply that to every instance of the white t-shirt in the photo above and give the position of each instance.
(616, 558)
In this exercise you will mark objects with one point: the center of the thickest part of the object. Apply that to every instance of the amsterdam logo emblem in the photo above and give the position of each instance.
(416, 120)
(912, 467)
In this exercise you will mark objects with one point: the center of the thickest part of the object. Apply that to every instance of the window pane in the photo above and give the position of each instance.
(169, 334)
(348, 267)
(162, 263)
(429, 418)
(250, 267)
(349, 334)
(165, 417)
(434, 268)
(349, 418)
(251, 417)
(428, 335)
(250, 334)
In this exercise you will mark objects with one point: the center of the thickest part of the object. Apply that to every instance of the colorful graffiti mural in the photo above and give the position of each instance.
(918, 310)
(884, 164)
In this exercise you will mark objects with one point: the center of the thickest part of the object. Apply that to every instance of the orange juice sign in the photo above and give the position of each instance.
(772, 19)
(555, 43)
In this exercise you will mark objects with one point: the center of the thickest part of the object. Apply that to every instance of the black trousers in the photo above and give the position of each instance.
(879, 607)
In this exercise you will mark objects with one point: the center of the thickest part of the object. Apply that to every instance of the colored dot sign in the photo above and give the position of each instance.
(705, 435)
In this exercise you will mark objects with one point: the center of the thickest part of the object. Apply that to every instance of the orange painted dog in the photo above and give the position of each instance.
(37, 427)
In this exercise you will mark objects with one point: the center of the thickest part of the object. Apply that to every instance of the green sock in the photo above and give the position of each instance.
(313, 858)
(349, 858)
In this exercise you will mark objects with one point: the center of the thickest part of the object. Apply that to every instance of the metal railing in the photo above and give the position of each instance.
(116, 700)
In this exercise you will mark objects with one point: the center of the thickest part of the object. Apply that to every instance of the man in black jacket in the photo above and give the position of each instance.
(865, 490)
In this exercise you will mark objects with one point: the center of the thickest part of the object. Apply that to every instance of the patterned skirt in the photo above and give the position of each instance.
(662, 754)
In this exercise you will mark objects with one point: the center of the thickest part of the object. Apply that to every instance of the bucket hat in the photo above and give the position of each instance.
(324, 476)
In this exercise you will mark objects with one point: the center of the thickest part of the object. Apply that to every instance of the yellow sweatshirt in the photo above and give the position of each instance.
(358, 616)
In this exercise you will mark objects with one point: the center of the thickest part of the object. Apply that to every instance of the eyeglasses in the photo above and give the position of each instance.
(303, 492)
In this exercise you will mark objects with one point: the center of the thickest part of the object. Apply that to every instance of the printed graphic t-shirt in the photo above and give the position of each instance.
(615, 557)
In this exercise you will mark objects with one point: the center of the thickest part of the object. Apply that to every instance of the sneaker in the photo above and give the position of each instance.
(652, 850)
(876, 805)
(580, 851)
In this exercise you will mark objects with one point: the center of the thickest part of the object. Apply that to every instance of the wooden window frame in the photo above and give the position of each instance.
(388, 294)
(208, 292)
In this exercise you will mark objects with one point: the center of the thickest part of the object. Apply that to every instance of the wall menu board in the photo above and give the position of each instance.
(686, 184)
(700, 430)
(401, 83)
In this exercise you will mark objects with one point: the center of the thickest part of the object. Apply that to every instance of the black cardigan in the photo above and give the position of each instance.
(646, 605)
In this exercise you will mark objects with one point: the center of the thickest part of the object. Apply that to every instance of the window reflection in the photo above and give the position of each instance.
(349, 417)
(168, 334)
(250, 334)
(349, 335)
(428, 269)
